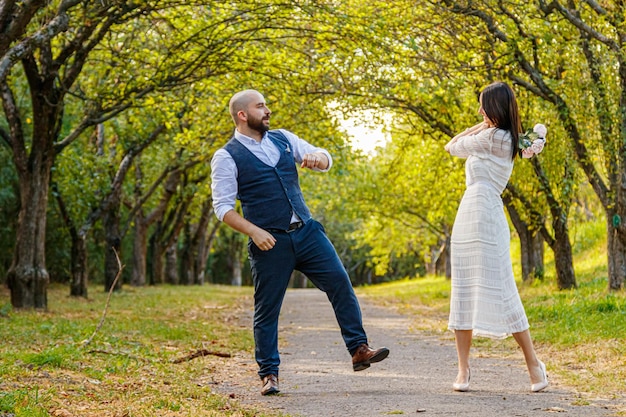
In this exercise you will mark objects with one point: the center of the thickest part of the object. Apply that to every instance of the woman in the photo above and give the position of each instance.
(484, 299)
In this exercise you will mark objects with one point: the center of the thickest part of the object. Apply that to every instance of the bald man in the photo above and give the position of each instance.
(258, 167)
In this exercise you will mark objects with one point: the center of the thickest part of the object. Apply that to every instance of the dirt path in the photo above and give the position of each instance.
(317, 380)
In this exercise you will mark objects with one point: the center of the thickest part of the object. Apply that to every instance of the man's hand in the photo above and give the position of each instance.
(263, 239)
(314, 160)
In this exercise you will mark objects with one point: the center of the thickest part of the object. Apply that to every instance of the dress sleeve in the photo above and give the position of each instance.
(479, 144)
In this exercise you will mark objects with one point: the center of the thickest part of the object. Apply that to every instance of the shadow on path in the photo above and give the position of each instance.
(316, 377)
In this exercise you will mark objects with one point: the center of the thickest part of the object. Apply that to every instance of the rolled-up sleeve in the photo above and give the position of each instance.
(223, 183)
(301, 147)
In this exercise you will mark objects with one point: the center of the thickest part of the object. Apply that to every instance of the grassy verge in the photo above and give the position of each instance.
(129, 368)
(579, 333)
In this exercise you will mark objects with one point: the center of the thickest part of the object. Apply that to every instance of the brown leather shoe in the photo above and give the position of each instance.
(364, 356)
(270, 385)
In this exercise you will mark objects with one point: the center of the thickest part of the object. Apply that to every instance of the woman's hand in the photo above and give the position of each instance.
(469, 131)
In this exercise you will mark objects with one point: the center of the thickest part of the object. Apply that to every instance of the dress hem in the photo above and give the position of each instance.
(488, 334)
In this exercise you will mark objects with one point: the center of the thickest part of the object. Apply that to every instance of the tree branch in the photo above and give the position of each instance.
(15, 136)
(572, 17)
(57, 25)
(106, 306)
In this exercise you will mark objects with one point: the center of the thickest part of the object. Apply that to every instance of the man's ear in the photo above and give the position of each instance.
(241, 115)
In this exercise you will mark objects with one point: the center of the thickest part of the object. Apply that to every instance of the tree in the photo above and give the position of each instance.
(52, 58)
(149, 47)
(583, 40)
(8, 209)
(433, 66)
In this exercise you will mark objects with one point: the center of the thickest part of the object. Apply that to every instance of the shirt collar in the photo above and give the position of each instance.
(247, 139)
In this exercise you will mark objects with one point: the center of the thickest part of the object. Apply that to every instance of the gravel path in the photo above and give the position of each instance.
(317, 380)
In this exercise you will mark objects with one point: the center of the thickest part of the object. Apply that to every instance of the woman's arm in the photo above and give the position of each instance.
(469, 131)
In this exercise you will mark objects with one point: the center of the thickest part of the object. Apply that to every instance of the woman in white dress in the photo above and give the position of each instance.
(484, 299)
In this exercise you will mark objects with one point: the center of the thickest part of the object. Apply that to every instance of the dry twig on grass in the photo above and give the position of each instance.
(106, 306)
(200, 353)
(106, 352)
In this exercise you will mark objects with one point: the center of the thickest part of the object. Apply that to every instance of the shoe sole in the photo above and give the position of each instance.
(359, 366)
(271, 392)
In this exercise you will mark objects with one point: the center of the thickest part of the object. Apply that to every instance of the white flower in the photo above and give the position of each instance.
(532, 141)
(541, 130)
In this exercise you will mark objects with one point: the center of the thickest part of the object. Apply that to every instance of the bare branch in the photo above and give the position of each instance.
(57, 25)
(127, 355)
(14, 21)
(596, 7)
(572, 17)
(530, 87)
(116, 184)
(106, 306)
(98, 117)
(201, 353)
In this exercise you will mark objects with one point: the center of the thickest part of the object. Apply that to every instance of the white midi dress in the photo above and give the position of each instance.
(484, 296)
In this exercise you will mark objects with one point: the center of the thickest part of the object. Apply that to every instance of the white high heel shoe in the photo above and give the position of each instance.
(544, 383)
(464, 387)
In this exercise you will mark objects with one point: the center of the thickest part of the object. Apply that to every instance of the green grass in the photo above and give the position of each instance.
(46, 370)
(127, 369)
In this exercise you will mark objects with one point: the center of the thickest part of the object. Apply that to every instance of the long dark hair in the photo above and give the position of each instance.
(500, 106)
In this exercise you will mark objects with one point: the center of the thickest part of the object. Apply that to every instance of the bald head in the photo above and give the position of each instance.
(241, 100)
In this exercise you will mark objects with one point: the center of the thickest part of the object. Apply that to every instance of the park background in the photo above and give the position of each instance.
(113, 110)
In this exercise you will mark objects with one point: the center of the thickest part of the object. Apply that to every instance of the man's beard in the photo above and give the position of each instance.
(258, 125)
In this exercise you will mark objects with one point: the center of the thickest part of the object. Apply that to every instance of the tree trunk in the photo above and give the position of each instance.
(171, 259)
(201, 257)
(140, 245)
(185, 273)
(531, 244)
(197, 241)
(28, 277)
(616, 254)
(298, 280)
(531, 265)
(202, 241)
(78, 252)
(442, 263)
(78, 284)
(140, 239)
(164, 237)
(235, 263)
(113, 246)
(143, 221)
(111, 213)
(156, 268)
(537, 258)
(430, 261)
(446, 253)
(563, 261)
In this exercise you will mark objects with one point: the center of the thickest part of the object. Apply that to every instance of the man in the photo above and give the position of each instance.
(257, 166)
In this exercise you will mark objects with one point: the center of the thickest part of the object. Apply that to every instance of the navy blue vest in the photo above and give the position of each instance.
(268, 195)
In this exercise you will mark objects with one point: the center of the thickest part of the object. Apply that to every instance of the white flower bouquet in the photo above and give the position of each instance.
(532, 141)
